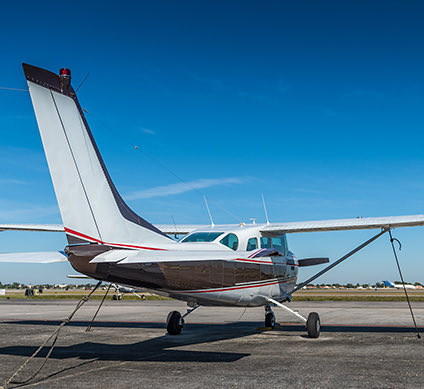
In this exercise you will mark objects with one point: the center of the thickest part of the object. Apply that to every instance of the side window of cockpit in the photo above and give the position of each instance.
(266, 242)
(230, 241)
(278, 244)
(252, 244)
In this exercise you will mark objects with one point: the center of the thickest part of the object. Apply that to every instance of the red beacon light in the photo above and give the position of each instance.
(64, 72)
(64, 80)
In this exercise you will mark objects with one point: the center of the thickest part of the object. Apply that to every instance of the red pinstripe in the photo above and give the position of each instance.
(79, 234)
(238, 287)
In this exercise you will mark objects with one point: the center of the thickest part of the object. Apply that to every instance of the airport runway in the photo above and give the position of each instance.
(367, 344)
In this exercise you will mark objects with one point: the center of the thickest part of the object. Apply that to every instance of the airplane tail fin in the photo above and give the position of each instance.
(389, 284)
(91, 208)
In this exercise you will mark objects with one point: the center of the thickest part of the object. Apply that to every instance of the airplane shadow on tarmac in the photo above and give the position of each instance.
(158, 349)
(162, 348)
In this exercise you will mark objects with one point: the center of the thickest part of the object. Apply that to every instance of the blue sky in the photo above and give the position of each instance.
(317, 105)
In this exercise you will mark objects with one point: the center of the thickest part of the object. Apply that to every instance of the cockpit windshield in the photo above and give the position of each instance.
(202, 237)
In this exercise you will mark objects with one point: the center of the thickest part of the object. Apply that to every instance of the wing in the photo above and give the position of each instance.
(181, 229)
(271, 229)
(344, 224)
(37, 257)
(32, 227)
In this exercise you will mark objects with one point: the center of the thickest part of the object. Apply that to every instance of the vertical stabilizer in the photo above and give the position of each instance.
(90, 206)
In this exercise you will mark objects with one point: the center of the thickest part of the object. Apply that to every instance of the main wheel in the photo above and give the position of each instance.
(313, 325)
(270, 319)
(174, 323)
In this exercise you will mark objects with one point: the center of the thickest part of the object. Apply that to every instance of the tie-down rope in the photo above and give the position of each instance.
(392, 240)
(53, 336)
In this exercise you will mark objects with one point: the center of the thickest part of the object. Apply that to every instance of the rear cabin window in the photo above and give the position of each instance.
(230, 241)
(252, 244)
(202, 237)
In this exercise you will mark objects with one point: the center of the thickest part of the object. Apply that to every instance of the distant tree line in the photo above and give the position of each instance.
(358, 285)
(18, 285)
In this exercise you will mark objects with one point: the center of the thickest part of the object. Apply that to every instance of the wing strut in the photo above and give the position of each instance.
(349, 254)
(297, 314)
(309, 280)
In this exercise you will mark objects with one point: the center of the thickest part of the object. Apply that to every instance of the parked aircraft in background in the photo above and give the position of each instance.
(245, 265)
(120, 290)
(389, 284)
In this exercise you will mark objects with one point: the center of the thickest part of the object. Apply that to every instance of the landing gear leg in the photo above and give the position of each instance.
(313, 324)
(175, 322)
(269, 317)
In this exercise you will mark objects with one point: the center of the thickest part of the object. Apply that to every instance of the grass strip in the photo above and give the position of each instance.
(76, 297)
(357, 298)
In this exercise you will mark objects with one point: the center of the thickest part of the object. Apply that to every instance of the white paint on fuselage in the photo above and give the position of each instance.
(243, 232)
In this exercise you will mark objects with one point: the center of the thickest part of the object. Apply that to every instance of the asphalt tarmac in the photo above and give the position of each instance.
(362, 345)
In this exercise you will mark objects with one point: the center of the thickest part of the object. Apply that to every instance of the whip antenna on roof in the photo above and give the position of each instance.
(15, 89)
(175, 226)
(266, 213)
(209, 211)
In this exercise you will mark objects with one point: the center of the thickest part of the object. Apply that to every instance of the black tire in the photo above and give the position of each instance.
(119, 296)
(174, 323)
(114, 297)
(270, 319)
(313, 325)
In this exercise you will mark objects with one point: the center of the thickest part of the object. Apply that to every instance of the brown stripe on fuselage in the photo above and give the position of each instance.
(80, 255)
(176, 276)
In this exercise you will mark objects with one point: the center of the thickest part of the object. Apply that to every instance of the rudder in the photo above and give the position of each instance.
(90, 206)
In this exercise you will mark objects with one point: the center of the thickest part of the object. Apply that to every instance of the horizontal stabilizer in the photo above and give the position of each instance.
(36, 257)
(135, 256)
(32, 227)
(312, 261)
(79, 276)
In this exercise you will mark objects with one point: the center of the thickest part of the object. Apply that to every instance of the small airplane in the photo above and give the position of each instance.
(389, 284)
(242, 265)
(120, 290)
